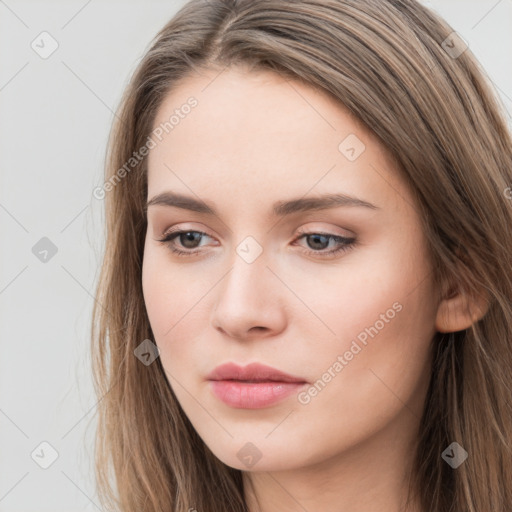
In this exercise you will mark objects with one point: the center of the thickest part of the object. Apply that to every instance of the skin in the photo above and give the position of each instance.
(255, 138)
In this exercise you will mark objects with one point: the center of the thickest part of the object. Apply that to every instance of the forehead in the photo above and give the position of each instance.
(252, 133)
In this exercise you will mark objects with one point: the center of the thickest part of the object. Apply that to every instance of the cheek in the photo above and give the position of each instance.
(173, 301)
(385, 328)
(156, 286)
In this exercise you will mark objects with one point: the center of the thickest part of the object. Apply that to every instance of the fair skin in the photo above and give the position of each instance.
(254, 139)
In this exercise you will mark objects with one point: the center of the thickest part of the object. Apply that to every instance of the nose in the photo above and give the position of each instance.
(249, 301)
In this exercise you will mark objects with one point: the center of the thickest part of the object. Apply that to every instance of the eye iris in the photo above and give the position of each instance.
(189, 236)
(316, 237)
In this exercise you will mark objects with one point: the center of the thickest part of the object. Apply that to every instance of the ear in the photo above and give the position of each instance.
(458, 311)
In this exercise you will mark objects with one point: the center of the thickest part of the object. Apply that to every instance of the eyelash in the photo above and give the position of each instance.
(346, 243)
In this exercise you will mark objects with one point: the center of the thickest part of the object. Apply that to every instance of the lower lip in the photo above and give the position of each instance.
(256, 395)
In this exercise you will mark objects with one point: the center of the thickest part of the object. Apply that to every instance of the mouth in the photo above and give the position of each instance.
(254, 386)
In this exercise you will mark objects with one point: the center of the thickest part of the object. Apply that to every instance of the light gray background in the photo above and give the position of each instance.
(56, 116)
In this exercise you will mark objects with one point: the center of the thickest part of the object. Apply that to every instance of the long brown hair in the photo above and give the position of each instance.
(400, 69)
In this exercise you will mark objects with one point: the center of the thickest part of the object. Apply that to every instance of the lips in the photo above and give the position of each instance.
(254, 386)
(252, 373)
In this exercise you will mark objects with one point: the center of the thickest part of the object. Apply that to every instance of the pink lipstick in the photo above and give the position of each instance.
(254, 386)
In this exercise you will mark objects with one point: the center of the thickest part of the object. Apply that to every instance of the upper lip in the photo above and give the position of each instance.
(253, 371)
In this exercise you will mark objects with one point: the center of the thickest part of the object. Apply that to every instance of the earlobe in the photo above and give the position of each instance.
(458, 311)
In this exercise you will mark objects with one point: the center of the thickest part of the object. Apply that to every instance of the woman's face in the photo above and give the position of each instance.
(260, 280)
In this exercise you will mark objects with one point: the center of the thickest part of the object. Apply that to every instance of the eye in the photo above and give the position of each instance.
(318, 240)
(189, 239)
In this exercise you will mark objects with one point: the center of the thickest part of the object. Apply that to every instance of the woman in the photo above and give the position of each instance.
(240, 365)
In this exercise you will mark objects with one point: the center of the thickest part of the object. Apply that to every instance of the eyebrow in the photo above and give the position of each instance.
(279, 208)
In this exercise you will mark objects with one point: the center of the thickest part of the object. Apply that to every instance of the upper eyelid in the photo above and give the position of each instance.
(301, 230)
(170, 231)
(328, 231)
